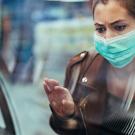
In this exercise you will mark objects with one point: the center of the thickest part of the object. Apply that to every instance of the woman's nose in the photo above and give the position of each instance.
(109, 34)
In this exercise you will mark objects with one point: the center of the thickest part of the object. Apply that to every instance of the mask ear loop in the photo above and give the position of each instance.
(128, 97)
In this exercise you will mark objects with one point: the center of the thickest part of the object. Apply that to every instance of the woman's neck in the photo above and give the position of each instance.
(126, 71)
(118, 79)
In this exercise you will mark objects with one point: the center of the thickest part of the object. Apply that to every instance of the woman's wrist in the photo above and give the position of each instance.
(62, 117)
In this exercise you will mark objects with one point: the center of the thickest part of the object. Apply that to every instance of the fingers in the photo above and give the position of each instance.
(49, 84)
(64, 91)
(61, 88)
(59, 97)
(46, 88)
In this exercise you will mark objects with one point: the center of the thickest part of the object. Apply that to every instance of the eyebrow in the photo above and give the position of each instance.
(119, 21)
(112, 23)
(99, 24)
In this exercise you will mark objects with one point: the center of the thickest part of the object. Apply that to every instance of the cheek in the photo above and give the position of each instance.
(133, 25)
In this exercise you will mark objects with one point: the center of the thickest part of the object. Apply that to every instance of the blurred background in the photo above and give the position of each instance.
(37, 38)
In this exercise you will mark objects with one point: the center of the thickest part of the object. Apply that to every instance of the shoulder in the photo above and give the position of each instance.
(82, 57)
(79, 58)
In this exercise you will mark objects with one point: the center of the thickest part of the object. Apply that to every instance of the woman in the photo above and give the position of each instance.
(98, 95)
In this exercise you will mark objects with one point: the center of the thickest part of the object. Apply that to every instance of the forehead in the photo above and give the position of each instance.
(111, 11)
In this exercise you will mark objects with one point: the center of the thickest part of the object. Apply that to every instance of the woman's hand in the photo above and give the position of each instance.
(60, 98)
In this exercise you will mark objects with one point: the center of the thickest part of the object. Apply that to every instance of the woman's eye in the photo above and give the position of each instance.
(100, 30)
(120, 27)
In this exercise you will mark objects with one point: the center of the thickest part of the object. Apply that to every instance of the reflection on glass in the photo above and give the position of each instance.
(37, 38)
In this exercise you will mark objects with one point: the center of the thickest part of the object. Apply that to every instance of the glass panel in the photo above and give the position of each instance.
(37, 38)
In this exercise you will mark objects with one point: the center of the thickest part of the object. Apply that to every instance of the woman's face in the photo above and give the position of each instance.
(112, 20)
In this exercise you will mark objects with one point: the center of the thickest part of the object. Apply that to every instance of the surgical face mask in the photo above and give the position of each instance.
(119, 51)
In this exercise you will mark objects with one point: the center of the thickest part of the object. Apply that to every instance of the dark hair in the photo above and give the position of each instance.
(128, 4)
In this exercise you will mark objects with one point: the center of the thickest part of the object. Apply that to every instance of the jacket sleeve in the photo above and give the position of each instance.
(71, 125)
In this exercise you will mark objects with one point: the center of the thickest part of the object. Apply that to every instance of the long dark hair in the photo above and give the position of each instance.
(128, 4)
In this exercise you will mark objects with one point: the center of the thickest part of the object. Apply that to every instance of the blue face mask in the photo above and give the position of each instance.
(119, 51)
